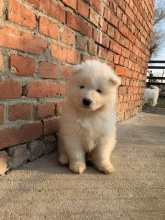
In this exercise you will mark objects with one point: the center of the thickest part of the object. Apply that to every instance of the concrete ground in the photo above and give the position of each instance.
(136, 190)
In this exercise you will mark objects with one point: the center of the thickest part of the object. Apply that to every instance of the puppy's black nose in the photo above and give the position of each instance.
(87, 102)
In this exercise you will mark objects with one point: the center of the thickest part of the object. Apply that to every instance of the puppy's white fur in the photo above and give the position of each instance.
(89, 126)
(151, 95)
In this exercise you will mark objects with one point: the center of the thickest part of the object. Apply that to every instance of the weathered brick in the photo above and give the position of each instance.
(22, 66)
(70, 3)
(14, 39)
(122, 90)
(110, 56)
(67, 36)
(48, 70)
(3, 162)
(19, 14)
(81, 43)
(105, 41)
(52, 8)
(102, 53)
(42, 89)
(83, 9)
(111, 31)
(92, 48)
(64, 54)
(21, 111)
(48, 28)
(79, 24)
(1, 62)
(94, 17)
(17, 135)
(36, 149)
(66, 72)
(45, 110)
(51, 126)
(59, 107)
(1, 114)
(10, 89)
(18, 155)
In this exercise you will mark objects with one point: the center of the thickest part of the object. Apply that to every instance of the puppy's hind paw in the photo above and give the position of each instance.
(77, 167)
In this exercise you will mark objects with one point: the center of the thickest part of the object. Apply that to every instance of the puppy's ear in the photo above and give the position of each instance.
(115, 80)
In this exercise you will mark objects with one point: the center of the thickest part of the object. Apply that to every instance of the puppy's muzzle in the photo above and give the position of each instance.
(87, 102)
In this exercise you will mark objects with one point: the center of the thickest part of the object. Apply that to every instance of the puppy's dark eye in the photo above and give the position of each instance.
(98, 90)
(81, 87)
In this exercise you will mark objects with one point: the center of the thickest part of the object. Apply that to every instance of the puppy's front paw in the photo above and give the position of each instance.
(106, 168)
(63, 159)
(77, 167)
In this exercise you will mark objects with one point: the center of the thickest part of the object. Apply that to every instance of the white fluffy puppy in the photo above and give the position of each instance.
(151, 95)
(88, 117)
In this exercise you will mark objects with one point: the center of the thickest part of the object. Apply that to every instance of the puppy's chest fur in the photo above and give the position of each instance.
(90, 131)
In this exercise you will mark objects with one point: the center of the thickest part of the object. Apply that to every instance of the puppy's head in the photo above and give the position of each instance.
(92, 87)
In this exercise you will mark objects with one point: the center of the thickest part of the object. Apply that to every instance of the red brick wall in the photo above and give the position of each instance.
(41, 40)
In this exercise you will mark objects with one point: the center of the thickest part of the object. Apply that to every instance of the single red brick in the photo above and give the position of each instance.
(113, 20)
(17, 135)
(83, 9)
(78, 24)
(21, 111)
(130, 90)
(93, 17)
(1, 114)
(135, 90)
(81, 43)
(59, 107)
(66, 72)
(128, 73)
(21, 15)
(115, 47)
(22, 41)
(51, 126)
(42, 89)
(120, 71)
(111, 31)
(92, 48)
(48, 70)
(105, 26)
(70, 3)
(121, 61)
(53, 8)
(22, 66)
(116, 58)
(64, 54)
(117, 36)
(106, 13)
(48, 28)
(1, 62)
(110, 56)
(67, 36)
(10, 89)
(102, 53)
(45, 110)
